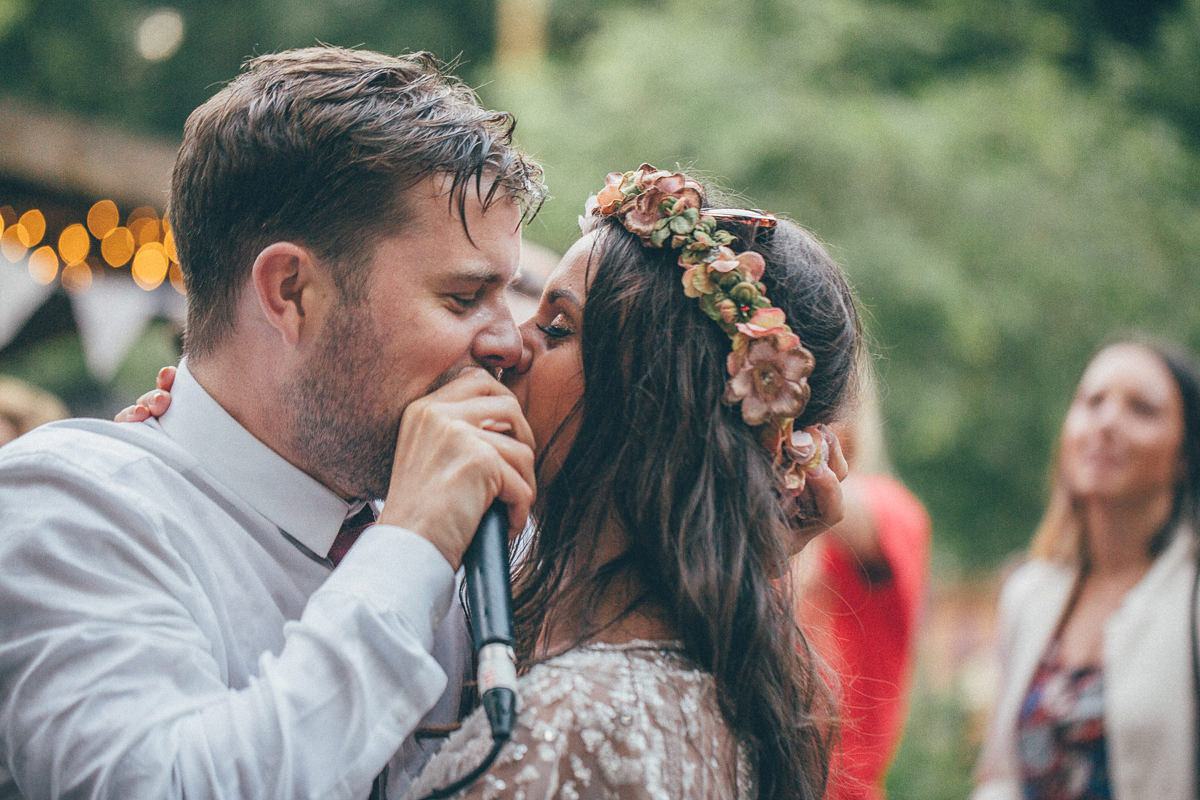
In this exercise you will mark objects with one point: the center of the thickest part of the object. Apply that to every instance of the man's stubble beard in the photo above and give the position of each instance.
(343, 431)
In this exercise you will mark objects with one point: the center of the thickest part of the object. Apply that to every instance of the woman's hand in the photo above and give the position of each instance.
(153, 403)
(822, 498)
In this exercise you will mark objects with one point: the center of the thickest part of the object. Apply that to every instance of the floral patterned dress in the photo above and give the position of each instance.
(634, 720)
(1060, 733)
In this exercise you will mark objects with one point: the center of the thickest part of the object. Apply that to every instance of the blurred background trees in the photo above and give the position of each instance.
(1007, 182)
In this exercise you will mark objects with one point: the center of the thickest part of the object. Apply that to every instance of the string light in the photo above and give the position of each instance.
(117, 246)
(144, 243)
(102, 217)
(43, 265)
(150, 265)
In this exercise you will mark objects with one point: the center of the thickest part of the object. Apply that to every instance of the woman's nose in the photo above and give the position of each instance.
(1107, 416)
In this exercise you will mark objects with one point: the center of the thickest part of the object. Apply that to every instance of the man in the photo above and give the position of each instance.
(347, 224)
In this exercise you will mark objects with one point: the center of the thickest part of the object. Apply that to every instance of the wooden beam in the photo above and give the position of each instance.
(77, 156)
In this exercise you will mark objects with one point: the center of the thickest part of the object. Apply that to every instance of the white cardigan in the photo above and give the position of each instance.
(1149, 708)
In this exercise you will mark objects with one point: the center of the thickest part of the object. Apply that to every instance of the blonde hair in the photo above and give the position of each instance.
(26, 406)
(1059, 535)
(861, 428)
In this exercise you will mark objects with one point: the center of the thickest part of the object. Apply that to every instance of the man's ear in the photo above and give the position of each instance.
(290, 285)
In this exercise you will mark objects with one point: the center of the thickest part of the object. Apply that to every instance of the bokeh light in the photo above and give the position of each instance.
(33, 227)
(12, 244)
(145, 229)
(117, 247)
(145, 238)
(102, 218)
(150, 265)
(175, 275)
(43, 265)
(160, 34)
(77, 277)
(74, 244)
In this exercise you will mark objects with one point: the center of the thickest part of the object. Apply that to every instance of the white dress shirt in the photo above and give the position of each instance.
(170, 627)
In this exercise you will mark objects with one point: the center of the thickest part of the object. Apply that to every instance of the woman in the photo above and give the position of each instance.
(659, 386)
(1098, 630)
(674, 407)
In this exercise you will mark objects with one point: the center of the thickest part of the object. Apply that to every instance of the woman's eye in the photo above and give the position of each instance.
(558, 328)
(1144, 408)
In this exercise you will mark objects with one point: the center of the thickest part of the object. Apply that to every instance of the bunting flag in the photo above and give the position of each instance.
(111, 313)
(111, 316)
(19, 298)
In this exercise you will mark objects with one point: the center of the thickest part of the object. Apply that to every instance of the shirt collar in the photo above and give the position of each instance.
(290, 498)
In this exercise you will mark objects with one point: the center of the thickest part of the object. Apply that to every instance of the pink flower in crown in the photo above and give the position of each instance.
(658, 185)
(610, 197)
(751, 265)
(802, 452)
(770, 323)
(696, 280)
(771, 384)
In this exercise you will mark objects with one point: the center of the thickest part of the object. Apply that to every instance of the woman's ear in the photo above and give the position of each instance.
(290, 284)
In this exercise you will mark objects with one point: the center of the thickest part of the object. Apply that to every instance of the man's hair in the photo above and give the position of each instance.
(318, 146)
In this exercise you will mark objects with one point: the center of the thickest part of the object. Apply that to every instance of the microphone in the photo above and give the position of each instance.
(489, 603)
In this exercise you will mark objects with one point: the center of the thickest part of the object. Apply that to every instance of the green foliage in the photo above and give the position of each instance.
(999, 219)
(1171, 84)
(81, 54)
(1008, 182)
(936, 759)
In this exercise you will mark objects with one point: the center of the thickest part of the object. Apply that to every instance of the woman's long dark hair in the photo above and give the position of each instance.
(659, 455)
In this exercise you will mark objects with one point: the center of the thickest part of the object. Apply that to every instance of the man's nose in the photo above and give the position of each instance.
(499, 344)
(526, 360)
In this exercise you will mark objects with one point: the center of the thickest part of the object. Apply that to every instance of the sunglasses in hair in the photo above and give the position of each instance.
(744, 216)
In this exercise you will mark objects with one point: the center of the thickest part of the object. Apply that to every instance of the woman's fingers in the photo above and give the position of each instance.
(153, 403)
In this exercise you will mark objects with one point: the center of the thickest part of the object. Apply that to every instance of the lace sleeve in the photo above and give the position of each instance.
(603, 722)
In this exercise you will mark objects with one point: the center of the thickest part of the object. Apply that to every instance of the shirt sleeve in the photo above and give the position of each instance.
(112, 682)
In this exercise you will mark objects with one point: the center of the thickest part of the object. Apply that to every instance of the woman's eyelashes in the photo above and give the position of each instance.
(559, 328)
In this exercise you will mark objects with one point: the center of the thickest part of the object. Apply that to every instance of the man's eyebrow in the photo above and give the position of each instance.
(481, 275)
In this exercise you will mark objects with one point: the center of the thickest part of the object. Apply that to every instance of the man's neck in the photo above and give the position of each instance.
(246, 390)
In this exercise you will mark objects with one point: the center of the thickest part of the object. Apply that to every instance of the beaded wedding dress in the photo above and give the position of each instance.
(634, 720)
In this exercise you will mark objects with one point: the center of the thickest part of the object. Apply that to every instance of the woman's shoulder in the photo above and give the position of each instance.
(1035, 580)
(612, 668)
(635, 720)
(629, 701)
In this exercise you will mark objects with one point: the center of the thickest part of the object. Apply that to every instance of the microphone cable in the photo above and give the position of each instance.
(489, 604)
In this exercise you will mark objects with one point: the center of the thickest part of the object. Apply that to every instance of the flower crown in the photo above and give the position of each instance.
(768, 366)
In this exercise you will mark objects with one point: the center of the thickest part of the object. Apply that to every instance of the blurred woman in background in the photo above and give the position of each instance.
(1097, 631)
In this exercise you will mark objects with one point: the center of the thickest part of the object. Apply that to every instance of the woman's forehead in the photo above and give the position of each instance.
(572, 270)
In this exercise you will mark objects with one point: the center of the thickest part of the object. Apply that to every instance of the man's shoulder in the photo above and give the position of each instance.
(88, 444)
(91, 463)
